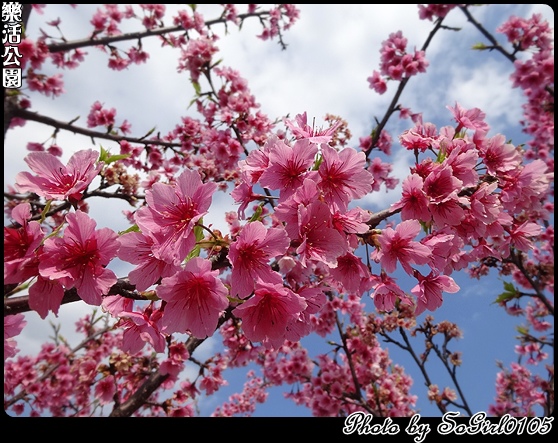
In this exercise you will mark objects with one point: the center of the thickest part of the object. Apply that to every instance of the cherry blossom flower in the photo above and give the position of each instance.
(302, 131)
(99, 116)
(250, 255)
(287, 210)
(524, 187)
(421, 137)
(141, 328)
(387, 292)
(318, 239)
(20, 259)
(243, 193)
(256, 162)
(45, 295)
(499, 156)
(195, 299)
(288, 165)
(429, 290)
(342, 176)
(172, 212)
(398, 244)
(463, 159)
(105, 390)
(56, 181)
(470, 119)
(137, 248)
(13, 325)
(353, 275)
(414, 202)
(265, 316)
(78, 259)
(115, 304)
(520, 235)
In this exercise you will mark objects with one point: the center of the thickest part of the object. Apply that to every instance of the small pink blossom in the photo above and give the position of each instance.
(302, 131)
(141, 328)
(469, 119)
(56, 181)
(414, 202)
(45, 295)
(79, 258)
(265, 316)
(342, 176)
(352, 274)
(137, 248)
(429, 290)
(318, 239)
(195, 298)
(20, 245)
(288, 166)
(105, 390)
(172, 212)
(387, 293)
(250, 255)
(13, 325)
(398, 245)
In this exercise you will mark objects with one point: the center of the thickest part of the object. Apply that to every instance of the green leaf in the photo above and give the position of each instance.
(133, 228)
(257, 214)
(197, 87)
(510, 292)
(318, 162)
(115, 158)
(103, 155)
(106, 157)
(45, 211)
(193, 253)
(198, 232)
(479, 46)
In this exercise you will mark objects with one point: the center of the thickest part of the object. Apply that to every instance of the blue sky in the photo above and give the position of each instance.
(332, 50)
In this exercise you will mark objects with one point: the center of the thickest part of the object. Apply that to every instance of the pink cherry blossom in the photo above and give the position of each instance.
(318, 239)
(353, 275)
(141, 328)
(105, 390)
(20, 243)
(398, 245)
(302, 131)
(429, 290)
(13, 325)
(342, 176)
(288, 165)
(524, 187)
(265, 316)
(522, 234)
(387, 293)
(414, 202)
(250, 256)
(499, 156)
(56, 181)
(79, 258)
(45, 295)
(195, 298)
(137, 248)
(172, 212)
(287, 210)
(470, 119)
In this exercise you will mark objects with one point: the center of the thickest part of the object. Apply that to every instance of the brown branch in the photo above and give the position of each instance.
(488, 35)
(376, 133)
(104, 41)
(16, 111)
(17, 305)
